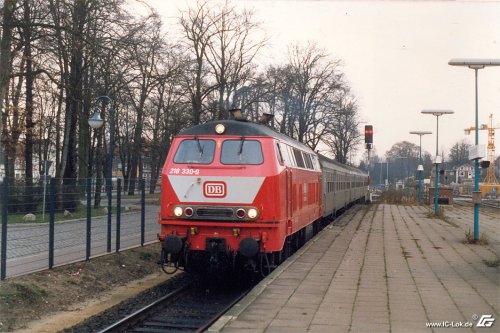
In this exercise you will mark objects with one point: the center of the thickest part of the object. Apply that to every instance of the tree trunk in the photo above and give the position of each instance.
(28, 148)
(73, 107)
(11, 137)
(5, 53)
(136, 151)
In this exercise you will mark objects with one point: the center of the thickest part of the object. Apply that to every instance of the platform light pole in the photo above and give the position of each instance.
(420, 165)
(407, 173)
(96, 122)
(475, 64)
(437, 160)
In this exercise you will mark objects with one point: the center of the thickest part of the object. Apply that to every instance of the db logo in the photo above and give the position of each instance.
(214, 189)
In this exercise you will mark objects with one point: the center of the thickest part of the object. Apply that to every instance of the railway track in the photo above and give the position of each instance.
(181, 304)
(191, 307)
(485, 203)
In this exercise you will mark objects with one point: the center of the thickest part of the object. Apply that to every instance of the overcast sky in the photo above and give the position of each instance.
(395, 56)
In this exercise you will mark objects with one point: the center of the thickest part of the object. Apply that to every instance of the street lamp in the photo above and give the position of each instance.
(407, 173)
(475, 64)
(97, 122)
(437, 161)
(386, 179)
(420, 166)
(380, 178)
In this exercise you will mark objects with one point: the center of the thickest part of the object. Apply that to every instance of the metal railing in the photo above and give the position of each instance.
(58, 221)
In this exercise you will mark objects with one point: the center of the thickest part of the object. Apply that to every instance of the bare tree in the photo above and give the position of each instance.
(281, 97)
(459, 153)
(13, 117)
(316, 81)
(402, 156)
(197, 25)
(147, 55)
(57, 56)
(344, 128)
(167, 118)
(402, 149)
(8, 12)
(231, 51)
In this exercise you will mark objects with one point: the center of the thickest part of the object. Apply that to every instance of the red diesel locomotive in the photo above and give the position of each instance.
(239, 194)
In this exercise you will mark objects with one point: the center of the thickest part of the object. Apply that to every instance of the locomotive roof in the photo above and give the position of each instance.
(248, 128)
(243, 128)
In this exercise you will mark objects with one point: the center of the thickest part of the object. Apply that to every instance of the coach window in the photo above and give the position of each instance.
(195, 151)
(241, 152)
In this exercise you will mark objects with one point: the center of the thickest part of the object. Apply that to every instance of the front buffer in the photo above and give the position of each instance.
(207, 247)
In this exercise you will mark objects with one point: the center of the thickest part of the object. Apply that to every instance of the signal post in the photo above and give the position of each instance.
(369, 146)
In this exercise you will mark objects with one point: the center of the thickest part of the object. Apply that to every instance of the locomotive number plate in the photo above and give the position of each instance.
(214, 189)
(185, 171)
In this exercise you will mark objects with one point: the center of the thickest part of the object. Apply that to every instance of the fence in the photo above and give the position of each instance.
(58, 221)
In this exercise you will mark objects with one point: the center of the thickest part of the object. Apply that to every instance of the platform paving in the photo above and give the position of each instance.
(381, 268)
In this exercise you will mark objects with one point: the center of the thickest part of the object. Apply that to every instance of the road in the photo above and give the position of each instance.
(28, 245)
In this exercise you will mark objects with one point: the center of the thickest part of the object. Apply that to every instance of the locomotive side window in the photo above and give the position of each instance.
(284, 153)
(278, 154)
(308, 161)
(241, 152)
(315, 162)
(298, 158)
(291, 156)
(195, 151)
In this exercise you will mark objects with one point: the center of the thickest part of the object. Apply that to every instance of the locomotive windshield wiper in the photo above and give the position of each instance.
(241, 145)
(200, 149)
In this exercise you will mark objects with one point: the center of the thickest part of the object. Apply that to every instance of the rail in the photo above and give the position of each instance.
(189, 308)
(143, 313)
(467, 201)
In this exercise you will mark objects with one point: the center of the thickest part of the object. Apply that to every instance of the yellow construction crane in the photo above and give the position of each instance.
(490, 179)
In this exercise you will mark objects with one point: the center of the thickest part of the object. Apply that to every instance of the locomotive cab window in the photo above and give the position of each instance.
(241, 152)
(279, 155)
(195, 151)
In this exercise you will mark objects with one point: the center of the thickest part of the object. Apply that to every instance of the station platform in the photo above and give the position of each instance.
(382, 268)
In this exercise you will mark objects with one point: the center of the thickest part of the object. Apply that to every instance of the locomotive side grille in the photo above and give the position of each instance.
(215, 212)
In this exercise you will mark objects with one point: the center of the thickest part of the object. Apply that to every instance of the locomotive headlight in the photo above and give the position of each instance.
(252, 213)
(240, 213)
(178, 211)
(188, 212)
(220, 129)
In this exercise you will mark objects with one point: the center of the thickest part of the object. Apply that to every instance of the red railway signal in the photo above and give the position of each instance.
(368, 135)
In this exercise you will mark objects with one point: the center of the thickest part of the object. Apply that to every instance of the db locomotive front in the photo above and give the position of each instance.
(228, 199)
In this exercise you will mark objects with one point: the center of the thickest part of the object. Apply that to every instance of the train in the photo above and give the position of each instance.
(238, 195)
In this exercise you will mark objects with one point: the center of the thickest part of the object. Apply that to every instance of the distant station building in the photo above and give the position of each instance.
(464, 173)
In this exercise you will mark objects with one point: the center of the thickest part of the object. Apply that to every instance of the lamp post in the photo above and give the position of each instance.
(380, 179)
(407, 173)
(96, 122)
(386, 174)
(420, 166)
(437, 161)
(475, 64)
